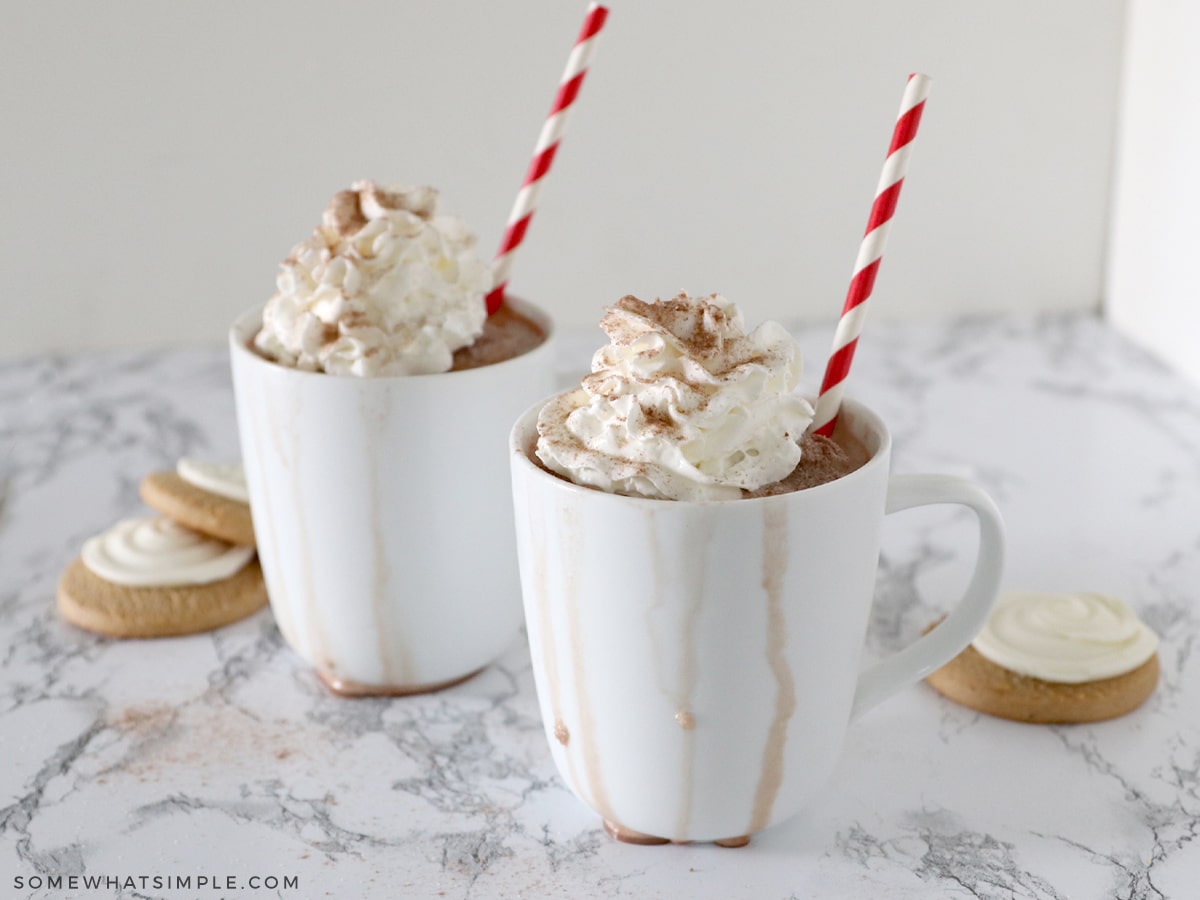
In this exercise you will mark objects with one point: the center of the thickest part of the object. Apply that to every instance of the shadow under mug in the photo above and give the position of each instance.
(697, 663)
(382, 512)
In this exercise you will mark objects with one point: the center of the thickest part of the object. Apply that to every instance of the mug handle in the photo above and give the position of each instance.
(952, 634)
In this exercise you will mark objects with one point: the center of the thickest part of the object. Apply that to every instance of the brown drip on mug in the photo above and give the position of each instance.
(281, 611)
(344, 687)
(586, 726)
(629, 836)
(390, 641)
(740, 841)
(316, 639)
(775, 559)
(550, 656)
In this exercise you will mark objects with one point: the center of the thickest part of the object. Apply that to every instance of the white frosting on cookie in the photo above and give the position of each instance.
(159, 552)
(1068, 638)
(227, 480)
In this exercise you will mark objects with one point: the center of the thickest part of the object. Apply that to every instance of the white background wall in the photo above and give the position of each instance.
(158, 159)
(1153, 277)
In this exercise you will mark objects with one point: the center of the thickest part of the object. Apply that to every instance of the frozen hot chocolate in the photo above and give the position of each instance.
(386, 285)
(506, 334)
(822, 459)
(684, 404)
(376, 358)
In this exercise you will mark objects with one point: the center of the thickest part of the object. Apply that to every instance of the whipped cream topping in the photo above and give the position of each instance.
(226, 480)
(158, 552)
(385, 286)
(1069, 638)
(682, 404)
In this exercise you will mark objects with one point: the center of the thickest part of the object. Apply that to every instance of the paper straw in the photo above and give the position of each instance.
(544, 151)
(870, 253)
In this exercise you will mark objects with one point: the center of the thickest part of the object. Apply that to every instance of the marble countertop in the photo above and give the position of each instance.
(219, 756)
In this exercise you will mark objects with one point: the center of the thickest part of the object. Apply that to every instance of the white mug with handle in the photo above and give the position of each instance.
(697, 663)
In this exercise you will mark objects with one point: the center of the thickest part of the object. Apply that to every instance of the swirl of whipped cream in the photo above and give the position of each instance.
(1068, 638)
(682, 404)
(226, 480)
(385, 286)
(158, 552)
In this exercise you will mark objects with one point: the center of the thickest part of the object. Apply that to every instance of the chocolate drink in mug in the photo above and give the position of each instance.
(375, 359)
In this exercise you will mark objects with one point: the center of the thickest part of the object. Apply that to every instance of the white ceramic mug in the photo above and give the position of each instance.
(382, 512)
(697, 663)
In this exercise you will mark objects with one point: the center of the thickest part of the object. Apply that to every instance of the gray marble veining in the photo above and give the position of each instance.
(220, 754)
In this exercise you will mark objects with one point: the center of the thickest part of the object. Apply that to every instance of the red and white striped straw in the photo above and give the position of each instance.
(543, 153)
(870, 253)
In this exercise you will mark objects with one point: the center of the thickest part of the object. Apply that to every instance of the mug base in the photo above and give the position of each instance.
(343, 687)
(740, 841)
(629, 836)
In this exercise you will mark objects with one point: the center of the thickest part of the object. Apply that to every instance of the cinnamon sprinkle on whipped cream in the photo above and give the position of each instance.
(384, 286)
(681, 404)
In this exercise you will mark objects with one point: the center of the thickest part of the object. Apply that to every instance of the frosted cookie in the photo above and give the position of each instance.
(155, 578)
(1055, 658)
(207, 497)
